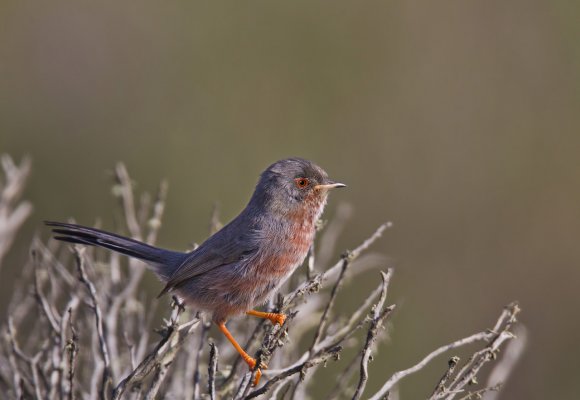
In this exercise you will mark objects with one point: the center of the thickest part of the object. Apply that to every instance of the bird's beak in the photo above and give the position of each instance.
(329, 185)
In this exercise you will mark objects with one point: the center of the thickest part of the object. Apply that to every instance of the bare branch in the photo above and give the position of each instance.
(124, 190)
(301, 369)
(212, 369)
(72, 348)
(12, 212)
(504, 368)
(324, 319)
(162, 355)
(440, 388)
(378, 317)
(494, 338)
(107, 379)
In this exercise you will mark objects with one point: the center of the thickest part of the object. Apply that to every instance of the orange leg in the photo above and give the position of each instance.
(275, 318)
(245, 356)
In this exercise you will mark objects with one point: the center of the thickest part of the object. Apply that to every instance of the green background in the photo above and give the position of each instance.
(456, 120)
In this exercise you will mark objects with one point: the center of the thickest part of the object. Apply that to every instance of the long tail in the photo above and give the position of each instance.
(163, 262)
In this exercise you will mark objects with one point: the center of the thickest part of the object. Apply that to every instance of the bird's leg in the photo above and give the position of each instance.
(274, 317)
(245, 356)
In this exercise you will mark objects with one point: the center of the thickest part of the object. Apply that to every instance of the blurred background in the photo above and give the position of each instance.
(457, 121)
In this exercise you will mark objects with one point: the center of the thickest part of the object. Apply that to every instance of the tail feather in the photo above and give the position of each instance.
(163, 262)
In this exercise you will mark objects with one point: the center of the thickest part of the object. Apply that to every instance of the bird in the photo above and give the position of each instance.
(244, 263)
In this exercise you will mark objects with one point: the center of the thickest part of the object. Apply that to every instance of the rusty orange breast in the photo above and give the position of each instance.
(289, 245)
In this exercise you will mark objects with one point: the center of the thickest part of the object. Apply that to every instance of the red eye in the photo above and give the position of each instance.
(301, 183)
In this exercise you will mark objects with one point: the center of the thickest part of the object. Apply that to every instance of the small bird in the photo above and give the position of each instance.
(242, 265)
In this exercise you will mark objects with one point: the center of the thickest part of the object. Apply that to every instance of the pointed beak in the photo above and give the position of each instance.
(329, 185)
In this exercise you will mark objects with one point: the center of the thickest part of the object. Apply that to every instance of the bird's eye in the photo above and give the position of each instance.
(301, 183)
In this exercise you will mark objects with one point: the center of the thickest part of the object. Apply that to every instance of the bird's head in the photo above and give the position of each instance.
(294, 183)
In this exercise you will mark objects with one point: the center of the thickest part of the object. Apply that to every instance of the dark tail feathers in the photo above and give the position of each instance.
(163, 262)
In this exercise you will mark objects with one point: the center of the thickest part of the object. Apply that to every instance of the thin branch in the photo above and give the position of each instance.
(478, 394)
(507, 317)
(343, 380)
(324, 318)
(164, 352)
(397, 376)
(136, 275)
(440, 388)
(378, 317)
(504, 368)
(124, 190)
(72, 349)
(42, 301)
(107, 379)
(13, 211)
(212, 369)
(197, 374)
(347, 331)
(301, 369)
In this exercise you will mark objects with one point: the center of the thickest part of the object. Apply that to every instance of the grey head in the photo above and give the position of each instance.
(293, 182)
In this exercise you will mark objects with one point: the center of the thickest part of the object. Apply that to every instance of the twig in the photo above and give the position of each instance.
(478, 394)
(41, 298)
(125, 192)
(440, 388)
(378, 317)
(158, 377)
(506, 318)
(347, 331)
(397, 376)
(301, 369)
(504, 368)
(163, 353)
(107, 379)
(212, 369)
(12, 212)
(500, 333)
(197, 375)
(324, 318)
(343, 380)
(17, 378)
(72, 349)
(137, 272)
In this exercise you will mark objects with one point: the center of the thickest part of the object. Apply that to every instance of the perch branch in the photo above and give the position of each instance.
(378, 316)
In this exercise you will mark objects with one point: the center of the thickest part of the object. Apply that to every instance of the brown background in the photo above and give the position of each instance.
(456, 120)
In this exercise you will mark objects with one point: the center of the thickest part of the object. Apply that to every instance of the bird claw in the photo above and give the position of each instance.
(279, 319)
(252, 364)
(257, 378)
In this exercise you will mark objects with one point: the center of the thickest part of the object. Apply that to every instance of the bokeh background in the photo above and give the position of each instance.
(458, 121)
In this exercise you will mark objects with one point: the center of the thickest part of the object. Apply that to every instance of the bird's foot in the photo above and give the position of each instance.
(277, 318)
(252, 365)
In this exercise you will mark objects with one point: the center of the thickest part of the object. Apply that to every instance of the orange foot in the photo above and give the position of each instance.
(274, 317)
(252, 364)
(249, 360)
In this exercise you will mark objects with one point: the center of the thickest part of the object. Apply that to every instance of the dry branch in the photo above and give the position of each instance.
(13, 211)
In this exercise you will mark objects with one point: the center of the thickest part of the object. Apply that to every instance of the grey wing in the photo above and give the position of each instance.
(225, 247)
